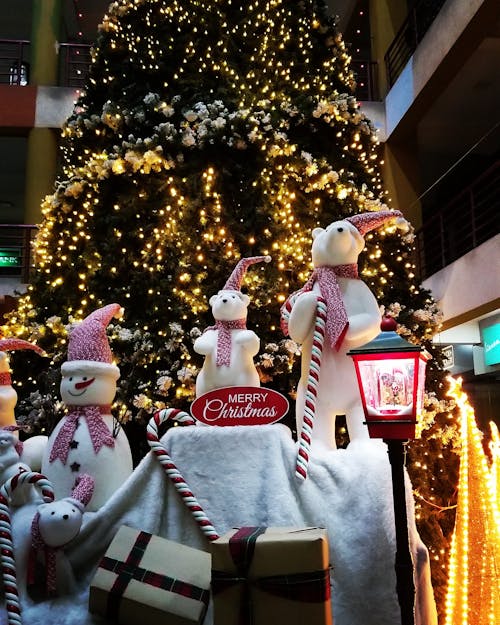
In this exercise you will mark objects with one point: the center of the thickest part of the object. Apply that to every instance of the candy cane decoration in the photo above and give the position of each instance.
(173, 414)
(302, 463)
(7, 560)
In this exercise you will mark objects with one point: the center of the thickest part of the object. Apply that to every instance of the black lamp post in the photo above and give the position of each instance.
(391, 379)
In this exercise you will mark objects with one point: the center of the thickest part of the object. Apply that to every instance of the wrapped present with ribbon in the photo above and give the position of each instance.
(144, 578)
(275, 575)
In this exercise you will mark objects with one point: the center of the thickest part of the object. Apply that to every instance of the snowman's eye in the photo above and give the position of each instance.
(71, 379)
(52, 513)
(84, 377)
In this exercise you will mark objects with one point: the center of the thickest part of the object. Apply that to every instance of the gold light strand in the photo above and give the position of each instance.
(473, 593)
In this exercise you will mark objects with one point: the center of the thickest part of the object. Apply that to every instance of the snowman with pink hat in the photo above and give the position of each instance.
(228, 346)
(332, 313)
(31, 451)
(8, 395)
(87, 440)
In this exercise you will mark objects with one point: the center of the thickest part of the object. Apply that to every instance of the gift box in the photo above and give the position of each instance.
(144, 578)
(275, 575)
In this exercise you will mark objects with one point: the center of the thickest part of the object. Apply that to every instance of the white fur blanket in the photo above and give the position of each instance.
(245, 476)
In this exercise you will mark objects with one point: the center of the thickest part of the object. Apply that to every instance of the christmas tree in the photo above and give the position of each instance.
(209, 132)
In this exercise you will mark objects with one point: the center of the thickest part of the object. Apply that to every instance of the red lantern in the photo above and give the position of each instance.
(391, 379)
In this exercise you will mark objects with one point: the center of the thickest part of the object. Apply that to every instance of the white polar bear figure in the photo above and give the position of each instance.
(352, 319)
(87, 440)
(53, 526)
(229, 347)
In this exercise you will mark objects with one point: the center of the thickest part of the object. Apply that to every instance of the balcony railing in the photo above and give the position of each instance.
(14, 66)
(74, 61)
(366, 79)
(420, 17)
(74, 64)
(15, 250)
(469, 219)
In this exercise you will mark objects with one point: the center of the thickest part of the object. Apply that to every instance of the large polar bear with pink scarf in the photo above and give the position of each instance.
(352, 319)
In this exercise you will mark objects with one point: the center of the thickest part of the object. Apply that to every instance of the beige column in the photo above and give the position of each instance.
(386, 18)
(45, 29)
(41, 160)
(400, 173)
(41, 166)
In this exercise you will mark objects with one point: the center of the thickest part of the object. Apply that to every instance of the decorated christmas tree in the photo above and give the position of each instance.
(209, 132)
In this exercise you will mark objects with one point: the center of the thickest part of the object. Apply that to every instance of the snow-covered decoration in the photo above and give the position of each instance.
(229, 347)
(328, 385)
(87, 440)
(348, 493)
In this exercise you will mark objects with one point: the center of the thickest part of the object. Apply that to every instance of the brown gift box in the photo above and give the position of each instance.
(148, 579)
(275, 575)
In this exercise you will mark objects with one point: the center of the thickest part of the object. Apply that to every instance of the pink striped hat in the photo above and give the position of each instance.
(88, 348)
(364, 222)
(235, 279)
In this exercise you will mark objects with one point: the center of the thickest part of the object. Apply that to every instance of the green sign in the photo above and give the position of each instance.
(10, 257)
(491, 341)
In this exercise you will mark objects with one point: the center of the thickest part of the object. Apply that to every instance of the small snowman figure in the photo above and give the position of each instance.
(8, 395)
(87, 439)
(31, 450)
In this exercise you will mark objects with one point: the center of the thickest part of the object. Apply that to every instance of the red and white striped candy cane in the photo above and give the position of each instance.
(311, 392)
(7, 560)
(173, 414)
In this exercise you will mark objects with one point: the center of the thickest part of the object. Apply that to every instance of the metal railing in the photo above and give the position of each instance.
(469, 219)
(420, 17)
(16, 250)
(14, 65)
(366, 79)
(74, 64)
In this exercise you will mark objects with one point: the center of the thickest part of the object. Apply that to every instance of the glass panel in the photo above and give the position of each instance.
(388, 386)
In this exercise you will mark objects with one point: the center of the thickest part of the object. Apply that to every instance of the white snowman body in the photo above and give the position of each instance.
(227, 306)
(90, 384)
(337, 390)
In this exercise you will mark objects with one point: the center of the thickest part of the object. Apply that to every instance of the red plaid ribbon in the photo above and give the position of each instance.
(311, 587)
(130, 569)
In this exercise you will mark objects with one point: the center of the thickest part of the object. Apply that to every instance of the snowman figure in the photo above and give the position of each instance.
(31, 450)
(87, 440)
(8, 395)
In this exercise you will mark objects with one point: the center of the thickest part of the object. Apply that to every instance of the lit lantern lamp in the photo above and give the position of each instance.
(391, 379)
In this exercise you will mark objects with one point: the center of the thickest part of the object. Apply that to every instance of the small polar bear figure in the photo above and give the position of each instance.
(352, 319)
(229, 347)
(54, 525)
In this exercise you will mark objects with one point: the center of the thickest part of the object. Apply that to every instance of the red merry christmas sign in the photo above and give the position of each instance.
(240, 405)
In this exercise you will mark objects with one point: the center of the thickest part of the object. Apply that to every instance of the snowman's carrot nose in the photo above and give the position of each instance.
(84, 384)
